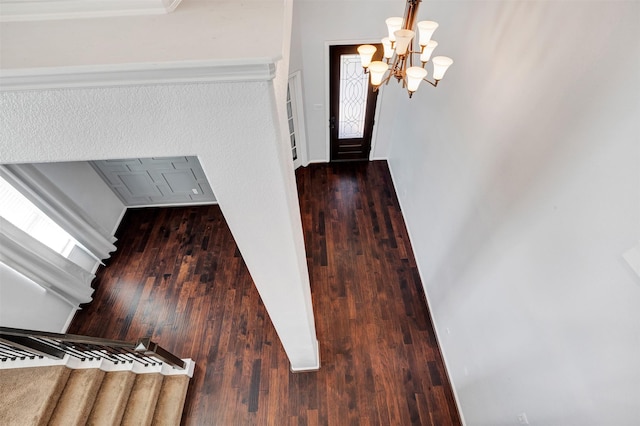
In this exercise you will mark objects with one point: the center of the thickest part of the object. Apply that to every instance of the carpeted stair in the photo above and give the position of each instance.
(59, 395)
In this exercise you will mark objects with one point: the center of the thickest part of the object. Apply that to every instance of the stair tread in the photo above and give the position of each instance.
(171, 401)
(61, 396)
(29, 395)
(112, 398)
(142, 400)
(78, 397)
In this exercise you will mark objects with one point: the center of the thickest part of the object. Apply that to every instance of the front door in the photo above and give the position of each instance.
(352, 104)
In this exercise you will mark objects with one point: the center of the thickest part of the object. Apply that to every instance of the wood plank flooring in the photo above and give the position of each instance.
(179, 277)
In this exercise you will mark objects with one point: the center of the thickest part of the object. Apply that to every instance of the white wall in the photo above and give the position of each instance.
(301, 335)
(234, 130)
(234, 139)
(197, 31)
(519, 179)
(81, 183)
(24, 304)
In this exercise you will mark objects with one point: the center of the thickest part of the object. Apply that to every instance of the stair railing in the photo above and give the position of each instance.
(18, 344)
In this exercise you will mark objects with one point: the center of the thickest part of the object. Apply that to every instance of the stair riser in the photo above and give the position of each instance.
(60, 395)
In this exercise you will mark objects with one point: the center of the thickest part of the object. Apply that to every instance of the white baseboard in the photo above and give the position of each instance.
(311, 368)
(424, 289)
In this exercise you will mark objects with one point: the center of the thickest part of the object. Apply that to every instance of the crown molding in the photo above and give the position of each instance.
(135, 75)
(39, 10)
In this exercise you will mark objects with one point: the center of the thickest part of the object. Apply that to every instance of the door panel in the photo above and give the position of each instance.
(352, 104)
(156, 181)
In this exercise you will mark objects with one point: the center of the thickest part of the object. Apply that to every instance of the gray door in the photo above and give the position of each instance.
(156, 181)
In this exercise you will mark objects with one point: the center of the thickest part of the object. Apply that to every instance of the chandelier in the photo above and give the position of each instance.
(399, 54)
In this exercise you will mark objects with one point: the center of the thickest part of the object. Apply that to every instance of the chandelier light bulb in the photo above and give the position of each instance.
(426, 29)
(428, 50)
(440, 66)
(403, 39)
(409, 42)
(366, 52)
(414, 78)
(388, 48)
(393, 25)
(377, 70)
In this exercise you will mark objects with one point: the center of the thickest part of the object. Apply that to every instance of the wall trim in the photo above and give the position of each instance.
(308, 369)
(376, 119)
(40, 10)
(424, 289)
(185, 204)
(263, 69)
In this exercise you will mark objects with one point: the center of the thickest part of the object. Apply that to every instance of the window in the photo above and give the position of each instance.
(21, 212)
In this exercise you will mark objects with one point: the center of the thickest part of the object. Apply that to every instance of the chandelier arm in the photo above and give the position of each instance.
(410, 55)
(384, 81)
(434, 84)
(398, 65)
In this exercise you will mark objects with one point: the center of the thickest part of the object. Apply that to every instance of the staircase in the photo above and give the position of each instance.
(101, 387)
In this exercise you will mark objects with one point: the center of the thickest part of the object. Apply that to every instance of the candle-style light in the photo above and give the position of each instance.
(398, 56)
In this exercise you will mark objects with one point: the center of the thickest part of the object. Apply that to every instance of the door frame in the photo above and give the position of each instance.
(295, 87)
(327, 97)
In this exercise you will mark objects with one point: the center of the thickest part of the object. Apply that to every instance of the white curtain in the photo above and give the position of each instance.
(59, 207)
(36, 261)
(44, 266)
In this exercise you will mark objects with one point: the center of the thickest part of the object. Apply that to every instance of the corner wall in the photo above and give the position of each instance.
(235, 140)
(519, 179)
(231, 126)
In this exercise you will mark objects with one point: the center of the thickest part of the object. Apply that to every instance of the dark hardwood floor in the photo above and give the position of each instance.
(179, 277)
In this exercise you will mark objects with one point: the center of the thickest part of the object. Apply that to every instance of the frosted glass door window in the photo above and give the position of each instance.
(353, 97)
(352, 105)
